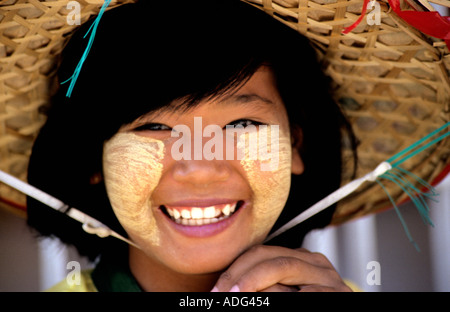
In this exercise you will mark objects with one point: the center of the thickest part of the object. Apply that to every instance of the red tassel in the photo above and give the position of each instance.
(355, 24)
(430, 23)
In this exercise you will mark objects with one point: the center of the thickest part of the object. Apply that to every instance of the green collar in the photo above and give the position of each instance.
(113, 274)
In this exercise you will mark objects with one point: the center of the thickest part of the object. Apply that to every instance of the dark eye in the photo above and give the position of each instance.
(153, 127)
(244, 123)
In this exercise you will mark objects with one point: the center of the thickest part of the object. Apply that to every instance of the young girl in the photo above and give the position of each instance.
(112, 150)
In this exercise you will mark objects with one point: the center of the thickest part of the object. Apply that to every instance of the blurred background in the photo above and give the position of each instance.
(373, 252)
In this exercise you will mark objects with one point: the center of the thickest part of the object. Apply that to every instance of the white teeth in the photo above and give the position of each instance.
(186, 214)
(201, 216)
(226, 210)
(209, 212)
(196, 213)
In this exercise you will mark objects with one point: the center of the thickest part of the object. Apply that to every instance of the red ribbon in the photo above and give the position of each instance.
(353, 26)
(430, 23)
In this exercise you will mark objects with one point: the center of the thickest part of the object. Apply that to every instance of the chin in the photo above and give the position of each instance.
(199, 259)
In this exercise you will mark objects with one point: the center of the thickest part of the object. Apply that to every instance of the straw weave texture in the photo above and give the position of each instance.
(391, 81)
(32, 36)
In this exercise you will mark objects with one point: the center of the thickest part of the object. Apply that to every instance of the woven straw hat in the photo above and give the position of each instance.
(32, 37)
(391, 79)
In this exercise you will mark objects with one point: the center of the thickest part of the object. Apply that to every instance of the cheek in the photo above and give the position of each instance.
(269, 177)
(132, 168)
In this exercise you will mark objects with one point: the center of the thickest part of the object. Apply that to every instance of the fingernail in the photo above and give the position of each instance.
(235, 288)
(215, 289)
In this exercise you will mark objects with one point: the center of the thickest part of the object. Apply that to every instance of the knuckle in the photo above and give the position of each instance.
(320, 259)
(226, 276)
(333, 274)
(257, 249)
(282, 262)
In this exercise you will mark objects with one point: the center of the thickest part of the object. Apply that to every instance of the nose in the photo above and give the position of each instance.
(201, 172)
(197, 164)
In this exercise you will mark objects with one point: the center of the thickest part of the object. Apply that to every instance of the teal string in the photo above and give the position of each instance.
(440, 138)
(416, 144)
(402, 221)
(93, 31)
(400, 176)
(416, 197)
(422, 182)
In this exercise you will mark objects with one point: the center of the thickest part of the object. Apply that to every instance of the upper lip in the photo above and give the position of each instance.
(201, 202)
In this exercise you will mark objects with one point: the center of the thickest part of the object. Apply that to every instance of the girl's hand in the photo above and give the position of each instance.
(273, 268)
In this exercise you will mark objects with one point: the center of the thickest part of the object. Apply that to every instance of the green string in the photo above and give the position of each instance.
(416, 196)
(424, 183)
(402, 221)
(93, 31)
(400, 176)
(413, 146)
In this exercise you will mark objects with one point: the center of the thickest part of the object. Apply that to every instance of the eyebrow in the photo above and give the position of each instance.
(243, 99)
(247, 98)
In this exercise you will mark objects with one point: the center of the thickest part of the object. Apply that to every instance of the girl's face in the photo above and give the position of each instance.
(194, 203)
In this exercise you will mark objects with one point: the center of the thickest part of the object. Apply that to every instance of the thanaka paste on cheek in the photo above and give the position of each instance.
(132, 166)
(270, 187)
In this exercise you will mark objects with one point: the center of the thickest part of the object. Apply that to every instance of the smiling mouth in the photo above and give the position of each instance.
(195, 216)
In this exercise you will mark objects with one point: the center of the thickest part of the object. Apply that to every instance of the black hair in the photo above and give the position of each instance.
(145, 56)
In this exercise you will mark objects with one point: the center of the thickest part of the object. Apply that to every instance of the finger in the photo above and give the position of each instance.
(260, 253)
(287, 271)
(243, 263)
(265, 252)
(316, 288)
(315, 258)
(319, 288)
(280, 288)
